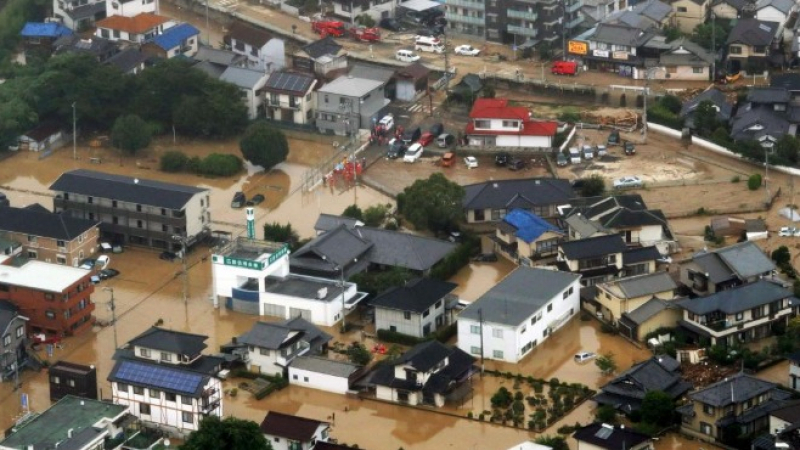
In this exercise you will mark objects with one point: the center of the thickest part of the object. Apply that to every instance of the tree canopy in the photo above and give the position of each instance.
(229, 433)
(130, 134)
(433, 204)
(264, 145)
(658, 408)
(705, 118)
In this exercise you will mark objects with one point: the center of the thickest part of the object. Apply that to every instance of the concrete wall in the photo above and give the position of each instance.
(317, 380)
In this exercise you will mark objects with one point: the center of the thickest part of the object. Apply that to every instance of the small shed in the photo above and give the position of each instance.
(324, 374)
(410, 80)
(41, 138)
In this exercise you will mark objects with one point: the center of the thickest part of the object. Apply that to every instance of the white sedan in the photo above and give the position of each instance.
(471, 162)
(467, 50)
(627, 182)
(789, 231)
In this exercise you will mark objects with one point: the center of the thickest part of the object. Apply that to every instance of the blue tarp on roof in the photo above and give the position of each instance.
(38, 29)
(529, 226)
(173, 37)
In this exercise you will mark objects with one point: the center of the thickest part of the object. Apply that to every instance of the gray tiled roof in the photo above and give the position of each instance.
(716, 97)
(127, 60)
(325, 366)
(294, 82)
(170, 341)
(758, 122)
(243, 77)
(736, 389)
(654, 10)
(752, 32)
(532, 191)
(327, 222)
(642, 285)
(746, 259)
(519, 295)
(417, 295)
(658, 373)
(322, 47)
(789, 81)
(649, 309)
(593, 247)
(274, 335)
(350, 87)
(583, 226)
(763, 94)
(783, 6)
(620, 34)
(685, 52)
(396, 248)
(371, 71)
(738, 299)
(636, 255)
(217, 56)
(43, 223)
(338, 247)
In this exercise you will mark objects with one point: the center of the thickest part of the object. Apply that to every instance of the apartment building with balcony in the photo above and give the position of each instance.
(49, 237)
(469, 17)
(709, 272)
(135, 211)
(739, 315)
(79, 14)
(290, 97)
(55, 299)
(166, 381)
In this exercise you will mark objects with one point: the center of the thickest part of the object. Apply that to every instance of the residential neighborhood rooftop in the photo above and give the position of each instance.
(351, 87)
(34, 222)
(736, 389)
(175, 36)
(527, 225)
(641, 285)
(609, 437)
(521, 193)
(274, 335)
(593, 247)
(42, 276)
(327, 366)
(737, 299)
(138, 24)
(290, 427)
(171, 341)
(416, 295)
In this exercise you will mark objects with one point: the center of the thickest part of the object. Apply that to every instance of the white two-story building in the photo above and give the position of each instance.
(166, 381)
(518, 314)
(494, 123)
(130, 8)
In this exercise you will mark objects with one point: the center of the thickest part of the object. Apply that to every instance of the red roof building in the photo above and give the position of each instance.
(494, 123)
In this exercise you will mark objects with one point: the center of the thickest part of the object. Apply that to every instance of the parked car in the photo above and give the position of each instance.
(613, 138)
(426, 139)
(437, 129)
(413, 153)
(515, 163)
(406, 56)
(445, 140)
(87, 263)
(467, 50)
(411, 136)
(396, 149)
(630, 149)
(561, 160)
(789, 231)
(564, 68)
(501, 159)
(387, 122)
(102, 262)
(448, 159)
(584, 356)
(471, 162)
(168, 256)
(108, 273)
(257, 199)
(387, 23)
(601, 151)
(588, 152)
(574, 155)
(627, 182)
(239, 200)
(486, 257)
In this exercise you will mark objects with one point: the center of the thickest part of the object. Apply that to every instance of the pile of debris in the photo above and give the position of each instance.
(706, 373)
(611, 117)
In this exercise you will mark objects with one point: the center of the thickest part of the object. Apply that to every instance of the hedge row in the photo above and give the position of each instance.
(215, 164)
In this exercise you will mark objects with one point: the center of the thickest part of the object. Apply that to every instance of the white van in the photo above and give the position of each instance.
(406, 56)
(574, 155)
(428, 44)
(413, 153)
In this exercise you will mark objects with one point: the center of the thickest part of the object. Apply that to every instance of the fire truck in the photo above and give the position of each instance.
(325, 27)
(364, 34)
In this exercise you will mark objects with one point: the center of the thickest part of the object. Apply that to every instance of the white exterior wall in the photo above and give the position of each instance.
(317, 380)
(514, 338)
(130, 8)
(307, 102)
(388, 394)
(322, 313)
(794, 376)
(61, 8)
(523, 141)
(225, 278)
(267, 363)
(269, 58)
(280, 443)
(197, 217)
(190, 42)
(167, 413)
(770, 14)
(376, 10)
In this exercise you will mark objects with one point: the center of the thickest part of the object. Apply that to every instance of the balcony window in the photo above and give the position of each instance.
(144, 408)
(483, 124)
(144, 352)
(170, 397)
(154, 393)
(187, 417)
(166, 356)
(139, 224)
(32, 238)
(475, 329)
(186, 400)
(122, 387)
(138, 390)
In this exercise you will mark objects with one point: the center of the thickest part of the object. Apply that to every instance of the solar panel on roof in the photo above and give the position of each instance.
(764, 27)
(159, 376)
(289, 82)
(604, 432)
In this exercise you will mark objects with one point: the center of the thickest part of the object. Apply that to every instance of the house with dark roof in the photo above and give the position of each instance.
(610, 437)
(622, 34)
(262, 50)
(741, 402)
(794, 371)
(67, 378)
(135, 211)
(385, 75)
(290, 97)
(777, 11)
(653, 315)
(765, 116)
(626, 392)
(715, 270)
(525, 238)
(788, 81)
(79, 14)
(348, 104)
(429, 373)
(251, 84)
(37, 35)
(493, 122)
(518, 313)
(270, 347)
(320, 57)
(328, 222)
(410, 81)
(685, 60)
(596, 259)
(626, 215)
(627, 294)
(490, 201)
(166, 381)
(718, 101)
(288, 432)
(136, 29)
(100, 49)
(72, 423)
(784, 429)
(13, 341)
(739, 315)
(47, 135)
(418, 308)
(750, 44)
(181, 40)
(50, 237)
(130, 61)
(331, 375)
(344, 251)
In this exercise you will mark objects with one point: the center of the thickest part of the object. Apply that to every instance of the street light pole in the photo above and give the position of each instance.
(766, 173)
(113, 314)
(74, 133)
(344, 311)
(713, 46)
(208, 30)
(185, 280)
(564, 29)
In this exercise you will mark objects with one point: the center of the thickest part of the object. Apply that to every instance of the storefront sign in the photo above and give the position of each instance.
(621, 55)
(601, 53)
(245, 263)
(578, 47)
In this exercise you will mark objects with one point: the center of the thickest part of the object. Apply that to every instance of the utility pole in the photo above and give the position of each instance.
(446, 66)
(74, 133)
(113, 307)
(185, 280)
(208, 30)
(713, 46)
(564, 29)
(480, 322)
(766, 174)
(644, 113)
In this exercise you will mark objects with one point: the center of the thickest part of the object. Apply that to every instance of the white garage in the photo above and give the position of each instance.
(324, 374)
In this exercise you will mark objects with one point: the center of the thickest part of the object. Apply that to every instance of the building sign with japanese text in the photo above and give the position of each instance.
(244, 263)
(601, 53)
(578, 47)
(621, 55)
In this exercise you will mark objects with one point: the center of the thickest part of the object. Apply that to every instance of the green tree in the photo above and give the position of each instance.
(781, 255)
(434, 203)
(606, 363)
(353, 212)
(359, 354)
(130, 134)
(754, 182)
(229, 433)
(749, 149)
(705, 118)
(672, 33)
(606, 414)
(375, 215)
(221, 165)
(264, 145)
(658, 408)
(502, 398)
(703, 35)
(375, 282)
(787, 150)
(275, 232)
(554, 442)
(174, 161)
(672, 103)
(593, 186)
(365, 20)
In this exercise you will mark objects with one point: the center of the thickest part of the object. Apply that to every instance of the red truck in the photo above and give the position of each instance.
(564, 68)
(366, 34)
(328, 28)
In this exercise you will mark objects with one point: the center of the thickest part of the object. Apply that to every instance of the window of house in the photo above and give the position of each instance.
(407, 315)
(144, 352)
(20, 331)
(697, 70)
(70, 382)
(263, 351)
(739, 316)
(139, 224)
(91, 217)
(475, 350)
(497, 354)
(735, 50)
(186, 400)
(61, 260)
(7, 340)
(138, 390)
(295, 377)
(705, 428)
(524, 329)
(122, 387)
(139, 208)
(759, 49)
(50, 314)
(32, 238)
(426, 313)
(170, 397)
(475, 329)
(305, 379)
(565, 294)
(510, 124)
(55, 379)
(549, 307)
(498, 214)
(154, 393)
(164, 228)
(67, 313)
(115, 220)
(708, 409)
(479, 215)
(144, 408)
(533, 320)
(437, 305)
(32, 254)
(187, 417)
(483, 124)
(61, 243)
(682, 9)
(165, 356)
(571, 290)
(89, 200)
(498, 333)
